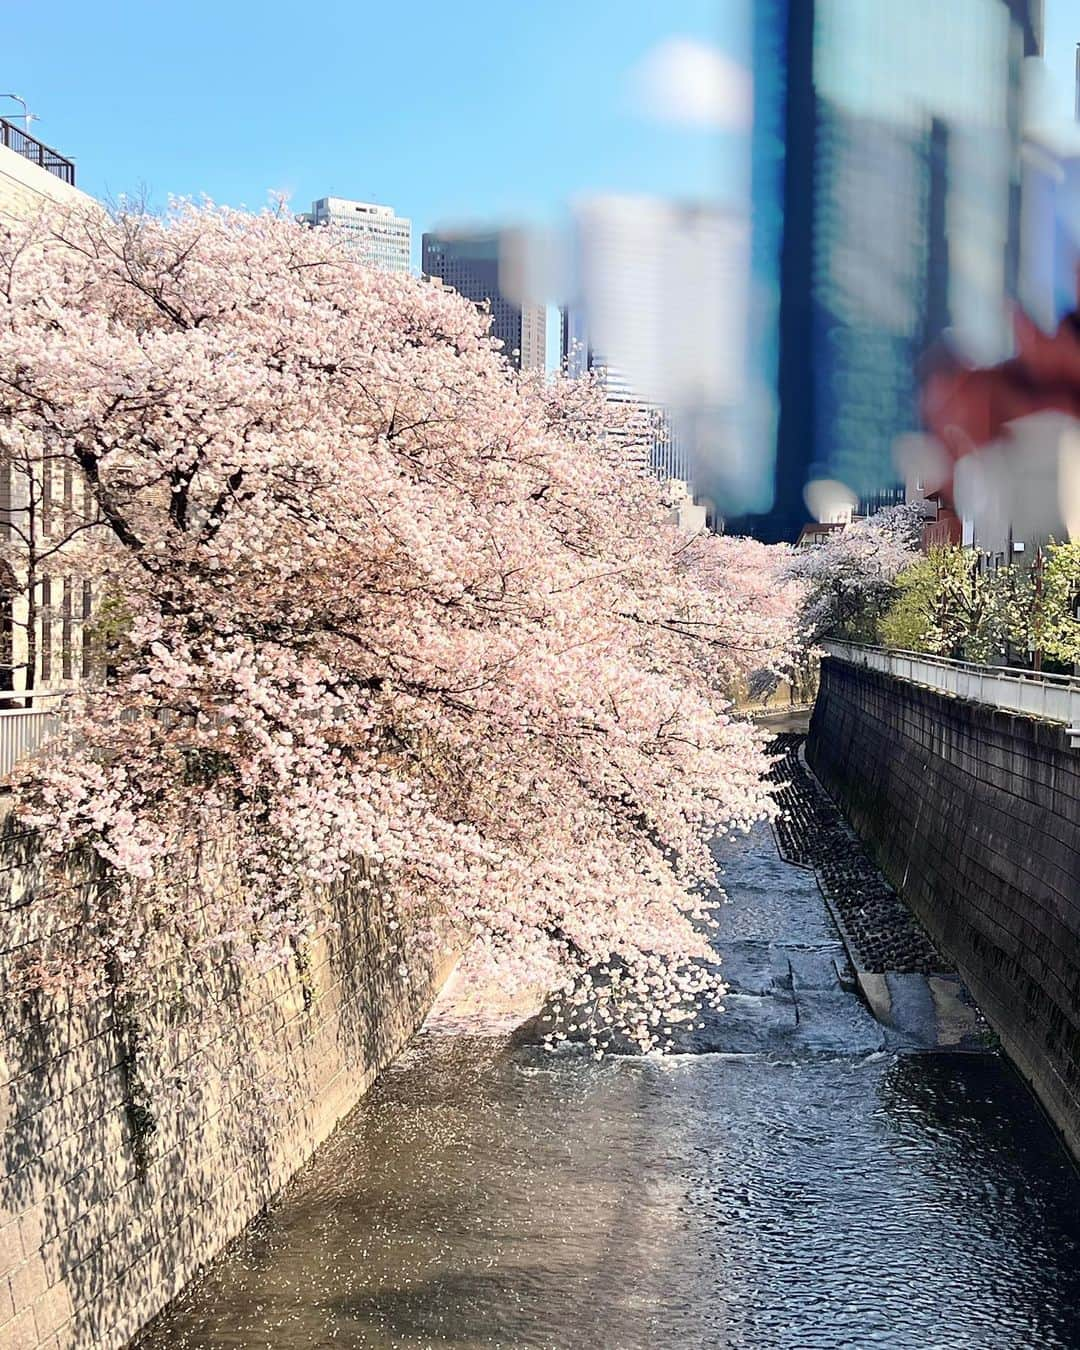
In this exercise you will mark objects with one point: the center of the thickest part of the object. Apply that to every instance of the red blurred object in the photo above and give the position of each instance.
(966, 407)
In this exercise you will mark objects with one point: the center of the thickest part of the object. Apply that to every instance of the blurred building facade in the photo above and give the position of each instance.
(659, 308)
(375, 233)
(644, 430)
(476, 265)
(886, 215)
(1050, 223)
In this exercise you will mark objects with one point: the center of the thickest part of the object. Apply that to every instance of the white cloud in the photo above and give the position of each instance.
(682, 80)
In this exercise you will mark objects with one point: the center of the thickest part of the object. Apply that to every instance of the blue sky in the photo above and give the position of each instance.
(449, 111)
(467, 110)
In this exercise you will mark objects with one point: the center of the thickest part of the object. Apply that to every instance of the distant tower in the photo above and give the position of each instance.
(374, 233)
(642, 431)
(648, 436)
(473, 264)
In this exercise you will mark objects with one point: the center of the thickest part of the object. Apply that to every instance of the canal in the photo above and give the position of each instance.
(806, 1183)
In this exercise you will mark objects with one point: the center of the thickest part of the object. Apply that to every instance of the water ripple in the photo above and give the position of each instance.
(483, 1196)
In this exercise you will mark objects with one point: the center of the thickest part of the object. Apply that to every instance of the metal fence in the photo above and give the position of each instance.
(25, 729)
(1055, 698)
(52, 161)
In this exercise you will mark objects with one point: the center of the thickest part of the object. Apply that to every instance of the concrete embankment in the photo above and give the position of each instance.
(973, 814)
(913, 990)
(138, 1140)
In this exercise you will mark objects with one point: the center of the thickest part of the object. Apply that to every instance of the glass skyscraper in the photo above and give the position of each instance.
(885, 186)
(474, 265)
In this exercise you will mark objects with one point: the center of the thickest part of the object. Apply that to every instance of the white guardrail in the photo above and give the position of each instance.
(1055, 698)
(25, 729)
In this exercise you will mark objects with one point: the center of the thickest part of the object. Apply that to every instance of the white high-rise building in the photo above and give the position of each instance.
(381, 238)
(662, 290)
(643, 429)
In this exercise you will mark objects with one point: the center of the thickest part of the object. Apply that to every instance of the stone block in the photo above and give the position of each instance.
(11, 1250)
(7, 1301)
(20, 1333)
(28, 1282)
(52, 1311)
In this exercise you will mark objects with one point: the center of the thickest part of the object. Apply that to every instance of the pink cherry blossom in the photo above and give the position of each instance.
(388, 614)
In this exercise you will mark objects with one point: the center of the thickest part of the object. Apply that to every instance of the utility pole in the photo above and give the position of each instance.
(1038, 633)
(28, 117)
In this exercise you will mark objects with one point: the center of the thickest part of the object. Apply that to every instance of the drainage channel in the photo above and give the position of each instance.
(805, 1174)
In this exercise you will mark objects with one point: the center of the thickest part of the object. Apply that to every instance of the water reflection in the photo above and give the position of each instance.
(485, 1196)
(490, 1198)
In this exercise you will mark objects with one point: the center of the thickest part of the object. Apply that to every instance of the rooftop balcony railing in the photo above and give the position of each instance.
(52, 161)
(24, 729)
(1054, 698)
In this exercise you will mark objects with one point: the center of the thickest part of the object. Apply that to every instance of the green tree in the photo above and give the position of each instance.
(1053, 623)
(905, 623)
(947, 605)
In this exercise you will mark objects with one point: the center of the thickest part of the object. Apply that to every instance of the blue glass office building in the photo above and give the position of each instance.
(885, 189)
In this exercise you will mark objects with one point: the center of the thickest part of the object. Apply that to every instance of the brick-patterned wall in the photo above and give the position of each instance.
(974, 815)
(244, 1073)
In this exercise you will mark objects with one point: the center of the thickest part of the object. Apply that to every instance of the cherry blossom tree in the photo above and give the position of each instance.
(750, 581)
(380, 610)
(850, 578)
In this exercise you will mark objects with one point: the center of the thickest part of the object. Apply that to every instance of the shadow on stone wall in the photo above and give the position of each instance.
(105, 1213)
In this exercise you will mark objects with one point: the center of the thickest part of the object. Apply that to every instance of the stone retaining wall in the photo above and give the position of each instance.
(974, 815)
(241, 1076)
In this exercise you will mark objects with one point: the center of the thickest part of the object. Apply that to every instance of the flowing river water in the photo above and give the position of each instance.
(807, 1184)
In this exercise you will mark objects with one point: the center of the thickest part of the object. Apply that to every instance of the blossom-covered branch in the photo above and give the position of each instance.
(376, 603)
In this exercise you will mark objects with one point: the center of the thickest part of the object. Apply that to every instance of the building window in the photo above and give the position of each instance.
(46, 630)
(66, 644)
(87, 604)
(46, 497)
(5, 499)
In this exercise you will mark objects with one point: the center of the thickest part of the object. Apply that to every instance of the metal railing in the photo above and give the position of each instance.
(52, 161)
(23, 730)
(1055, 698)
